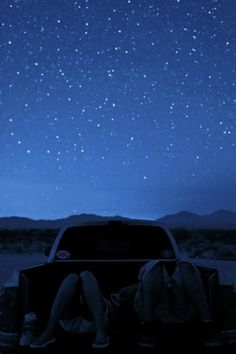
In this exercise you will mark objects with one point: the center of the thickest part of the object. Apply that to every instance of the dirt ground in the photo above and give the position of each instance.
(10, 262)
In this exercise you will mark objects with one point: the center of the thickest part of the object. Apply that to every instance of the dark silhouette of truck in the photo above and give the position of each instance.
(114, 251)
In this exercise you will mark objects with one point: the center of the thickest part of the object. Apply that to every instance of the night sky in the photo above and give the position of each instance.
(117, 107)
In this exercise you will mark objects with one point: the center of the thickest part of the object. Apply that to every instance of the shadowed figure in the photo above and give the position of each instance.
(159, 296)
(172, 297)
(79, 307)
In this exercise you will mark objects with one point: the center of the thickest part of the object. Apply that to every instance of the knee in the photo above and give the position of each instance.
(187, 268)
(154, 276)
(156, 268)
(86, 275)
(155, 272)
(71, 280)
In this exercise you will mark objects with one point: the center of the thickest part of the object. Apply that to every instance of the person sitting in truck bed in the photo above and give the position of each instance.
(172, 296)
(79, 307)
(157, 297)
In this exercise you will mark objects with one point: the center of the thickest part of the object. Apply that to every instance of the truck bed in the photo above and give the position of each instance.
(39, 286)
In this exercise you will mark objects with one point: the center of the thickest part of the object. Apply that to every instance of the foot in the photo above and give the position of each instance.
(212, 335)
(146, 336)
(214, 341)
(42, 342)
(101, 342)
(146, 341)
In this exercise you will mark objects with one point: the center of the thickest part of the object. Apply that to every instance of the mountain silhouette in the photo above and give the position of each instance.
(221, 219)
(16, 222)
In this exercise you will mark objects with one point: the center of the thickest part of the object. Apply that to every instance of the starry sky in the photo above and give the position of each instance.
(117, 107)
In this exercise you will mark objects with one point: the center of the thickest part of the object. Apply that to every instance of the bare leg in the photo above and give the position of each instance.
(96, 304)
(145, 303)
(194, 287)
(63, 297)
(147, 299)
(88, 286)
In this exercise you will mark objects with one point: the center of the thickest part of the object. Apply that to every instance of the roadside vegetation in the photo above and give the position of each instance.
(211, 244)
(24, 241)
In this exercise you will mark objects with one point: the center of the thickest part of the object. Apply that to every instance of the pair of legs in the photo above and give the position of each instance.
(189, 282)
(161, 298)
(152, 286)
(71, 289)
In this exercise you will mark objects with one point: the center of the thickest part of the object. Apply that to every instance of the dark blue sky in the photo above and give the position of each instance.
(117, 107)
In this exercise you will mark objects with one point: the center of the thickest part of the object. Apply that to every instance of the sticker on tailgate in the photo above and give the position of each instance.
(63, 254)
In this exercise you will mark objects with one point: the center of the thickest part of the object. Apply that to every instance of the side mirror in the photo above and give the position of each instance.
(47, 251)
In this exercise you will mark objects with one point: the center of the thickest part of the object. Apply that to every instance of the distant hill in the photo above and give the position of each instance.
(221, 219)
(15, 222)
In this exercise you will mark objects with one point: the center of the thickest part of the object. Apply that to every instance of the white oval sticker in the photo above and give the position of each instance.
(63, 254)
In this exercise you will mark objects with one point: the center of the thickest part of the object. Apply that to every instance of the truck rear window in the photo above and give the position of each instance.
(115, 242)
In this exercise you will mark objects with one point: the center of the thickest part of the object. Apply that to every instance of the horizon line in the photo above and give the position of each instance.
(115, 215)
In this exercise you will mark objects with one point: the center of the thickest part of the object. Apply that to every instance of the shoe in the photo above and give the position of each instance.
(35, 345)
(101, 345)
(212, 335)
(146, 342)
(213, 342)
(146, 337)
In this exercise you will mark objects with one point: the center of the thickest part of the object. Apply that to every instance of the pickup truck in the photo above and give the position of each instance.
(114, 251)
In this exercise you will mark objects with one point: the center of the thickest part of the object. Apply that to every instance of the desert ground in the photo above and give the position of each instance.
(10, 262)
